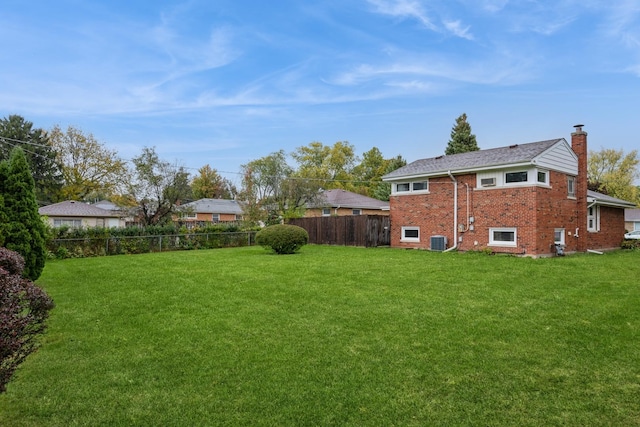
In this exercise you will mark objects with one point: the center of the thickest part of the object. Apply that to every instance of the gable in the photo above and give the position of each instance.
(559, 157)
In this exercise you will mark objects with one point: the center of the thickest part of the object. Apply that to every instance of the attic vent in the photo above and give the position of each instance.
(439, 157)
(488, 182)
(513, 146)
(438, 243)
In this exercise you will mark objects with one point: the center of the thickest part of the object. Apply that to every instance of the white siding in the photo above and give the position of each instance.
(560, 158)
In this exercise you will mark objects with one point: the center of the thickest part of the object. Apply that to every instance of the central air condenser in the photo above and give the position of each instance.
(438, 243)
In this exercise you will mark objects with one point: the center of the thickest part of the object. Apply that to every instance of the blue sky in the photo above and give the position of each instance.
(223, 82)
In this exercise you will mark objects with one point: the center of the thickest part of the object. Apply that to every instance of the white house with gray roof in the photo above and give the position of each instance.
(81, 215)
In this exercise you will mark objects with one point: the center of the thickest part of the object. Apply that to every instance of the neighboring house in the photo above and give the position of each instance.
(211, 210)
(521, 199)
(342, 202)
(632, 219)
(79, 214)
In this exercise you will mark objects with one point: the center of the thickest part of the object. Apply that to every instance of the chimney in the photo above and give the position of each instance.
(579, 147)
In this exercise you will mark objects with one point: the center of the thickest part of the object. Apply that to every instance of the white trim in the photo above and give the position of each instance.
(562, 239)
(593, 218)
(510, 244)
(410, 239)
(409, 184)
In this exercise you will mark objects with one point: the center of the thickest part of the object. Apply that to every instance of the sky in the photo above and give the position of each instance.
(224, 82)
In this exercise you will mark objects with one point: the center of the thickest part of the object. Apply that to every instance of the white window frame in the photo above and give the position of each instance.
(593, 218)
(571, 186)
(506, 182)
(67, 222)
(560, 241)
(546, 177)
(410, 239)
(326, 211)
(191, 215)
(503, 243)
(215, 217)
(356, 212)
(409, 185)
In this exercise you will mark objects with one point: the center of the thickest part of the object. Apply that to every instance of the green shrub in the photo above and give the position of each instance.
(633, 244)
(282, 238)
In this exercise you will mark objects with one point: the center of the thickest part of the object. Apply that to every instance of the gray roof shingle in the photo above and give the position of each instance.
(72, 208)
(347, 199)
(219, 206)
(513, 154)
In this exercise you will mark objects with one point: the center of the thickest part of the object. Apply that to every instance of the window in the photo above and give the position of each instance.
(356, 212)
(215, 217)
(571, 186)
(402, 187)
(502, 237)
(487, 182)
(593, 218)
(421, 186)
(409, 187)
(326, 211)
(191, 215)
(558, 236)
(542, 177)
(410, 234)
(511, 177)
(73, 223)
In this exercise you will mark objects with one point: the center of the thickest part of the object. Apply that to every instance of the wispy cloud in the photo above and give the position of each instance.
(414, 9)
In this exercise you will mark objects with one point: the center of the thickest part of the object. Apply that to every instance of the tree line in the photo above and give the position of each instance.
(69, 164)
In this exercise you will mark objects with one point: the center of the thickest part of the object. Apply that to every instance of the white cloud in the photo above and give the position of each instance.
(456, 29)
(404, 9)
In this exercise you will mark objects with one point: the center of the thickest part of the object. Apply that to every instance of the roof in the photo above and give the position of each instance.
(347, 199)
(71, 208)
(513, 154)
(632, 215)
(603, 199)
(215, 206)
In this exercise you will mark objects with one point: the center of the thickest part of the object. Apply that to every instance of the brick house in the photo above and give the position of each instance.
(342, 203)
(522, 199)
(211, 211)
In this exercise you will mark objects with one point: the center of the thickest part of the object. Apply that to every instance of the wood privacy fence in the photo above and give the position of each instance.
(357, 230)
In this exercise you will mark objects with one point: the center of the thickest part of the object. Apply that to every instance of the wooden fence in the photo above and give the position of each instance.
(357, 230)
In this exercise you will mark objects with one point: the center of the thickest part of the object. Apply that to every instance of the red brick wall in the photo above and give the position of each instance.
(611, 231)
(535, 211)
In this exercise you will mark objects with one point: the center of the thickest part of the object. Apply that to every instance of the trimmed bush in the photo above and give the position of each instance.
(24, 307)
(282, 238)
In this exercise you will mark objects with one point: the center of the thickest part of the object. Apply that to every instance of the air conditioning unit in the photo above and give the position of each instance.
(438, 243)
(488, 182)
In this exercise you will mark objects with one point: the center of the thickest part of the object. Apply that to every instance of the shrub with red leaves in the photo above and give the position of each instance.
(24, 307)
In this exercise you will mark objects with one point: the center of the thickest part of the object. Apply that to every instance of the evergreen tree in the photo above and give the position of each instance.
(15, 131)
(462, 140)
(24, 230)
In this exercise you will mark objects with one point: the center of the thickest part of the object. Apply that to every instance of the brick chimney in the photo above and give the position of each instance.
(579, 146)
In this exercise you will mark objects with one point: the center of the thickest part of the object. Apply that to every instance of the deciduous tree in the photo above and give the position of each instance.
(462, 140)
(330, 166)
(614, 173)
(210, 185)
(157, 187)
(88, 167)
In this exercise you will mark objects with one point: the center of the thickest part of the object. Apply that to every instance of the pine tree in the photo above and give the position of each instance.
(24, 231)
(462, 140)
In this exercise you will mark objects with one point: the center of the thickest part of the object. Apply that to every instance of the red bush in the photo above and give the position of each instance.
(24, 307)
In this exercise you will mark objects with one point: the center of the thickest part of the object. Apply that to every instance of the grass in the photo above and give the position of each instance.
(335, 336)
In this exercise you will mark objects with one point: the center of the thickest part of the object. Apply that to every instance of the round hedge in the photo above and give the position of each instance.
(282, 238)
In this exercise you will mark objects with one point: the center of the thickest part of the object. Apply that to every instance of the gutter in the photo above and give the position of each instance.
(455, 212)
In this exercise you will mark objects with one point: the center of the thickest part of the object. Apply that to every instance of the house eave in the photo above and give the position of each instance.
(444, 173)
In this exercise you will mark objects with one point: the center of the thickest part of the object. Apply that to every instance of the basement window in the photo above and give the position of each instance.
(503, 237)
(558, 236)
(410, 234)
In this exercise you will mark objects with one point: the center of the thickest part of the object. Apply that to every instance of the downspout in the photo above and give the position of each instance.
(455, 212)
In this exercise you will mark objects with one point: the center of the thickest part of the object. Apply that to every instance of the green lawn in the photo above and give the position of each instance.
(335, 336)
